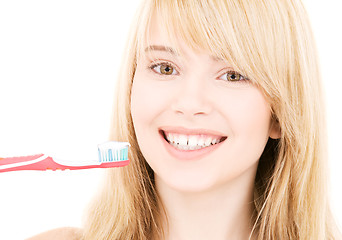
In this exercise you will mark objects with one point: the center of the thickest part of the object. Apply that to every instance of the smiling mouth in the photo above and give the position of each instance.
(191, 142)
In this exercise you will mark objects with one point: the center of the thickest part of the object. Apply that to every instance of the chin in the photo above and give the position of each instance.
(187, 182)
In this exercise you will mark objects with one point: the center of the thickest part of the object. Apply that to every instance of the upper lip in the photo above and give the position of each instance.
(194, 131)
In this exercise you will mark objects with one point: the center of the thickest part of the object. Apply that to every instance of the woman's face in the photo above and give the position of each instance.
(198, 124)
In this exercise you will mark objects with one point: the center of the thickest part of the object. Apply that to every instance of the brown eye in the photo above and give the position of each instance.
(164, 69)
(232, 76)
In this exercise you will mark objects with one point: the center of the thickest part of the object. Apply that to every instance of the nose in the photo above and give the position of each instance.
(193, 98)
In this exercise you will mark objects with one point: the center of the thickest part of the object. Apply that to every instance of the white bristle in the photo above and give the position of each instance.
(113, 151)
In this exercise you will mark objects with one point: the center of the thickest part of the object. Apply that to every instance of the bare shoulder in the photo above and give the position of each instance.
(65, 233)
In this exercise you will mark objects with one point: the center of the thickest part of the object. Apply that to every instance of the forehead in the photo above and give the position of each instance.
(158, 37)
(162, 38)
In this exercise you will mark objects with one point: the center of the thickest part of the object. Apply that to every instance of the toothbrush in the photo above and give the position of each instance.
(111, 154)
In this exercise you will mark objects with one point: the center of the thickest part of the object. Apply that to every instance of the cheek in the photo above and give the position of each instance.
(258, 115)
(250, 123)
(140, 100)
(149, 98)
(148, 102)
(145, 102)
(247, 110)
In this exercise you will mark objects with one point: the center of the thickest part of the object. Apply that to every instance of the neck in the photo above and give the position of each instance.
(223, 212)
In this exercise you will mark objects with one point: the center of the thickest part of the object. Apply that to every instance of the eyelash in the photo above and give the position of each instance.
(232, 72)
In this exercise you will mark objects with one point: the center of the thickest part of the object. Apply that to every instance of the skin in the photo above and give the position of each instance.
(210, 196)
(66, 233)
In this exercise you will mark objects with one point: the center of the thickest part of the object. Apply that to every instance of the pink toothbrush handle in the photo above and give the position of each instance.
(43, 162)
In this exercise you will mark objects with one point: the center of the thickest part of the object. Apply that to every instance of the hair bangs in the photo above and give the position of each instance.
(194, 23)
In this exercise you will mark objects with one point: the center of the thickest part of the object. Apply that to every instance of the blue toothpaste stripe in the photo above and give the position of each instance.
(111, 155)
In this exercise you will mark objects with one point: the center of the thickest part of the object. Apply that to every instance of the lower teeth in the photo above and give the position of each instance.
(182, 147)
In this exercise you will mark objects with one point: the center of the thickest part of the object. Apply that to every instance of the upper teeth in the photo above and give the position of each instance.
(191, 142)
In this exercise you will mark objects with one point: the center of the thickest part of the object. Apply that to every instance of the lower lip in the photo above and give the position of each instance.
(189, 154)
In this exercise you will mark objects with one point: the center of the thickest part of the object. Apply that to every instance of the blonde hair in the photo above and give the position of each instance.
(270, 42)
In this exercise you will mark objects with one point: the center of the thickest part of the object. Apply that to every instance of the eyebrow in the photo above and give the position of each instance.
(173, 51)
(162, 49)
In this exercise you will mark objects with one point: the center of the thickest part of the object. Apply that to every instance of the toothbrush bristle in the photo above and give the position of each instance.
(113, 151)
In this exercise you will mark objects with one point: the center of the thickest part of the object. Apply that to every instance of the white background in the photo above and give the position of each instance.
(58, 64)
